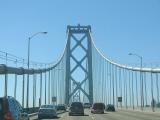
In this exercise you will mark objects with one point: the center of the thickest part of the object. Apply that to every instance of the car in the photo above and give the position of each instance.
(98, 108)
(110, 107)
(10, 109)
(61, 107)
(87, 105)
(47, 111)
(76, 108)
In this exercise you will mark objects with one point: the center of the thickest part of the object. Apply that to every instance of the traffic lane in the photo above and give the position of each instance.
(65, 116)
(60, 115)
(77, 117)
(141, 115)
(85, 117)
(124, 115)
(118, 115)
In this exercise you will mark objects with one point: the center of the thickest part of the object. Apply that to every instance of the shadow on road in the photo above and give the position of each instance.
(86, 115)
(48, 118)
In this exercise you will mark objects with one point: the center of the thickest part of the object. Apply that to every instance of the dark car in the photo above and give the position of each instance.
(61, 107)
(110, 107)
(10, 109)
(98, 108)
(87, 105)
(76, 108)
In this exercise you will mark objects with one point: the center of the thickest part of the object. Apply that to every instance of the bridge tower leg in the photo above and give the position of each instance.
(78, 34)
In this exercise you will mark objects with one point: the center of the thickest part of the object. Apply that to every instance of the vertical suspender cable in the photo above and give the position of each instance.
(132, 92)
(124, 86)
(157, 85)
(33, 99)
(102, 80)
(40, 99)
(120, 86)
(49, 84)
(141, 89)
(113, 83)
(152, 101)
(145, 87)
(35, 88)
(105, 86)
(6, 79)
(15, 86)
(110, 81)
(116, 86)
(136, 89)
(45, 86)
(23, 87)
(52, 84)
(129, 87)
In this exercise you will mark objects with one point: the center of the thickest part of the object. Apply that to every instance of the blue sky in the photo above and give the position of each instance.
(118, 27)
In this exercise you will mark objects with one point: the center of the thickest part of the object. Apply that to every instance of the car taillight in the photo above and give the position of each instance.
(8, 116)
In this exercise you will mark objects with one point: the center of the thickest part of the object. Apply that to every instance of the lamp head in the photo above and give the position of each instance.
(44, 32)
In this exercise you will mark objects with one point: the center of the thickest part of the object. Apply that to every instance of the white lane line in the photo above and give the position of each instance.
(93, 118)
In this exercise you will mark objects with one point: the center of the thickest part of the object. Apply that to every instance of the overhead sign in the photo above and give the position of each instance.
(119, 99)
(54, 99)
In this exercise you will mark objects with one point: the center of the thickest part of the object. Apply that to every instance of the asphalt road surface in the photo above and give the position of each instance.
(118, 115)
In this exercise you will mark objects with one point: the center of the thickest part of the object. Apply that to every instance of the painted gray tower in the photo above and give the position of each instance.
(79, 64)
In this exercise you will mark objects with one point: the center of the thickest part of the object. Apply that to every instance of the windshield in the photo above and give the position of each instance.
(47, 106)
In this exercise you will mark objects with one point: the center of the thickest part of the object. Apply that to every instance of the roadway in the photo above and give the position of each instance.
(118, 115)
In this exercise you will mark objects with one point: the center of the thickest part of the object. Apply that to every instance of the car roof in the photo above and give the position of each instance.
(76, 103)
(110, 105)
(48, 106)
(98, 103)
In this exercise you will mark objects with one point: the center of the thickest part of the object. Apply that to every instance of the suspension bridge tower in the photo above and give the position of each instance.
(79, 64)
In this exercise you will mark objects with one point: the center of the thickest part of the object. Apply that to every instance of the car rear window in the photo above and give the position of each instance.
(61, 107)
(48, 106)
(98, 106)
(46, 110)
(76, 104)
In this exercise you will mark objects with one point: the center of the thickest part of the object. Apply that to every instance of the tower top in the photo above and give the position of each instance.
(78, 28)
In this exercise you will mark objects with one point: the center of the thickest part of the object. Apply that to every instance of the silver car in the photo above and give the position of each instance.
(47, 111)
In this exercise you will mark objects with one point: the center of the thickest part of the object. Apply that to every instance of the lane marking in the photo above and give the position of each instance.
(93, 118)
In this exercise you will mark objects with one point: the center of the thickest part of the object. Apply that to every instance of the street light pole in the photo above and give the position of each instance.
(141, 79)
(29, 39)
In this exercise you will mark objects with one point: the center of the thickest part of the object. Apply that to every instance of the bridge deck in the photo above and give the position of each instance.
(118, 115)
